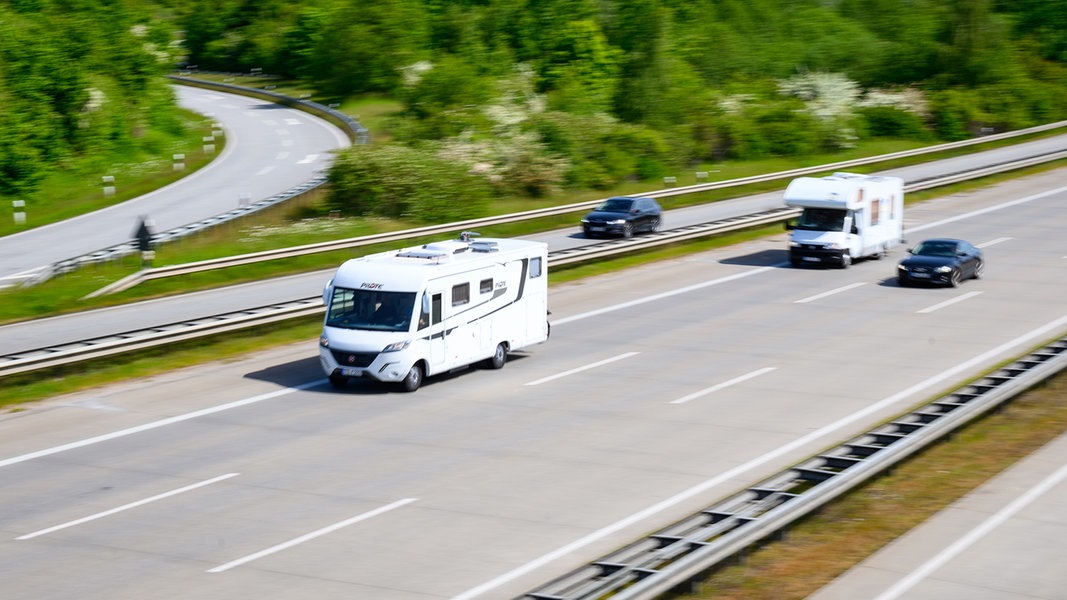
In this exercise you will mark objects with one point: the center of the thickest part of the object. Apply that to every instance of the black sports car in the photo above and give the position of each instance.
(941, 261)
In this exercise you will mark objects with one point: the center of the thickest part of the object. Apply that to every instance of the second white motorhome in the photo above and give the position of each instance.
(403, 315)
(844, 216)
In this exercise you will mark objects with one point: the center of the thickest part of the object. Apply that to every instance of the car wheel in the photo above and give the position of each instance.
(979, 268)
(846, 260)
(413, 379)
(338, 381)
(655, 225)
(499, 357)
(954, 278)
(628, 230)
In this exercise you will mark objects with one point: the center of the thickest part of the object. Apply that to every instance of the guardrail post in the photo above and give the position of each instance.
(109, 185)
(19, 207)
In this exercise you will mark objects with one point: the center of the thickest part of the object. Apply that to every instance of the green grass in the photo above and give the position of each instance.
(79, 187)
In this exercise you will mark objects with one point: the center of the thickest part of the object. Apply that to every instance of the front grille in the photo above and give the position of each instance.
(353, 359)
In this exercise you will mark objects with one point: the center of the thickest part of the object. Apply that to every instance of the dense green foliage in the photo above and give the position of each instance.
(531, 96)
(80, 82)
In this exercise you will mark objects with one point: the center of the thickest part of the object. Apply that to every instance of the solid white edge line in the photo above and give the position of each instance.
(949, 302)
(310, 536)
(723, 385)
(580, 369)
(741, 469)
(119, 509)
(157, 424)
(974, 535)
(844, 288)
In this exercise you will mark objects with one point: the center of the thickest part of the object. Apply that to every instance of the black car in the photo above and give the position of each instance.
(941, 261)
(623, 215)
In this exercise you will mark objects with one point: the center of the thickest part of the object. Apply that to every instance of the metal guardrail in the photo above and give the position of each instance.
(353, 129)
(349, 243)
(685, 551)
(117, 344)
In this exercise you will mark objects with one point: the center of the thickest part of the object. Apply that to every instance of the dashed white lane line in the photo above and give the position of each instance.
(124, 507)
(723, 385)
(582, 368)
(310, 536)
(949, 302)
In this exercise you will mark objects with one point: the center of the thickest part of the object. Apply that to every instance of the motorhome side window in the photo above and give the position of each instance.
(461, 294)
(485, 286)
(535, 267)
(370, 309)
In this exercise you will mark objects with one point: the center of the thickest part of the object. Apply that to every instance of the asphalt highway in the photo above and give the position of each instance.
(663, 388)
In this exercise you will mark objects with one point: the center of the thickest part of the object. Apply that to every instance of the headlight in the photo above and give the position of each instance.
(944, 269)
(793, 244)
(324, 341)
(834, 247)
(397, 346)
(585, 220)
(617, 222)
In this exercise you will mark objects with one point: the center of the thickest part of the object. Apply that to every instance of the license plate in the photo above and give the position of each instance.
(596, 229)
(811, 258)
(921, 275)
(352, 372)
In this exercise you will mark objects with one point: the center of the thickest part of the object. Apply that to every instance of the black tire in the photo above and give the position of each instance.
(413, 380)
(979, 269)
(627, 230)
(499, 357)
(656, 223)
(338, 381)
(846, 260)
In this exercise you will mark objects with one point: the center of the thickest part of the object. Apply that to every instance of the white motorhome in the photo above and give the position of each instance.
(403, 315)
(845, 216)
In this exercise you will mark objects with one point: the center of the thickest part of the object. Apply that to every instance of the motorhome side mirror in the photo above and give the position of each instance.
(327, 291)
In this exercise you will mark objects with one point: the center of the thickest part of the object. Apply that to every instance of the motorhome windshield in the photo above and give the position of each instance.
(370, 309)
(821, 219)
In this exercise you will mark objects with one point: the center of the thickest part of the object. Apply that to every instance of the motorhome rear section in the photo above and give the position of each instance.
(407, 314)
(844, 216)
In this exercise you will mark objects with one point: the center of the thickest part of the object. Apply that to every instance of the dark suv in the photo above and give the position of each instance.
(623, 215)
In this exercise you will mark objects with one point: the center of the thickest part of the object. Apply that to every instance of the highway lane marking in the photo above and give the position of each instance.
(994, 242)
(124, 507)
(1039, 333)
(307, 160)
(723, 385)
(974, 535)
(844, 288)
(949, 302)
(583, 368)
(667, 294)
(310, 536)
(160, 423)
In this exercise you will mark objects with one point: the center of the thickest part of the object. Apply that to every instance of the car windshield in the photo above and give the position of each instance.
(370, 309)
(935, 249)
(616, 205)
(821, 219)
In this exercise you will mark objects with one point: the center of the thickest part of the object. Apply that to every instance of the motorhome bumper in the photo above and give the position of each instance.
(377, 370)
(814, 255)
